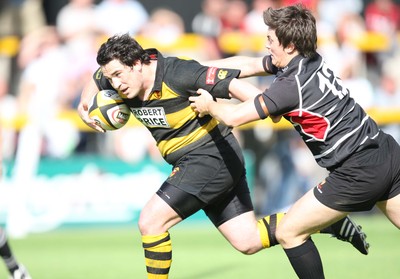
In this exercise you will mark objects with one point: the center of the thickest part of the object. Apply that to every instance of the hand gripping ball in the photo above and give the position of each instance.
(108, 109)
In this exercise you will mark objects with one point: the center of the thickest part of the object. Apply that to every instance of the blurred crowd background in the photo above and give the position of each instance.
(48, 50)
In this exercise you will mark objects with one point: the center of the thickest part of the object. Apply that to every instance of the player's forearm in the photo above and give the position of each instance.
(232, 115)
(242, 90)
(221, 111)
(249, 66)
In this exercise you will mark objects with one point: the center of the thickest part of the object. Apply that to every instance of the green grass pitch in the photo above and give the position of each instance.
(199, 252)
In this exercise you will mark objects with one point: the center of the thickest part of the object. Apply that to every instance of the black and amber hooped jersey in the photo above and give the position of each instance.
(167, 114)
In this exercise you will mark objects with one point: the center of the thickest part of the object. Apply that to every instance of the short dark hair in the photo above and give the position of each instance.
(294, 24)
(123, 48)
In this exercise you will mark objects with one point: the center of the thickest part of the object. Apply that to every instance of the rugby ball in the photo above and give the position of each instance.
(108, 109)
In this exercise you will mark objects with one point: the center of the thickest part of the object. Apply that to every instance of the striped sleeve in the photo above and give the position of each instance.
(260, 106)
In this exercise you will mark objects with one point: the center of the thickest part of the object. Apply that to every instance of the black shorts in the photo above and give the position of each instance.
(212, 178)
(366, 177)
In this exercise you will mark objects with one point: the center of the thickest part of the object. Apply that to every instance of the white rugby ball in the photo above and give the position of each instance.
(108, 109)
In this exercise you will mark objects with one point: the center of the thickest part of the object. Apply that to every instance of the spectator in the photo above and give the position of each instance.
(233, 19)
(20, 17)
(310, 4)
(164, 26)
(254, 23)
(208, 24)
(76, 19)
(208, 21)
(388, 92)
(330, 11)
(76, 26)
(17, 18)
(8, 112)
(121, 16)
(45, 65)
(352, 66)
(383, 16)
(233, 27)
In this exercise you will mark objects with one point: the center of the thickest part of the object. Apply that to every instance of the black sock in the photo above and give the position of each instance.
(306, 261)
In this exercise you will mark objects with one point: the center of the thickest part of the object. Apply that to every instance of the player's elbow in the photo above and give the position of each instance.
(246, 248)
(231, 123)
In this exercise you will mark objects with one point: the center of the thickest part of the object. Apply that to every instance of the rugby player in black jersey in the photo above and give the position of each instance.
(208, 170)
(363, 161)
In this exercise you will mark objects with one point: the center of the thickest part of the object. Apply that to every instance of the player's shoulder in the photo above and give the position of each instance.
(182, 62)
(182, 67)
(101, 81)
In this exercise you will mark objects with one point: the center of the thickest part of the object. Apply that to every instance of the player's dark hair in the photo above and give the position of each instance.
(123, 48)
(294, 24)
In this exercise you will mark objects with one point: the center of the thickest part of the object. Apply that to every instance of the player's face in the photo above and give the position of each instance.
(279, 55)
(127, 80)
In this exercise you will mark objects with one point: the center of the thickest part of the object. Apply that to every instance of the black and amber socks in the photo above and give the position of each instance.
(267, 227)
(158, 255)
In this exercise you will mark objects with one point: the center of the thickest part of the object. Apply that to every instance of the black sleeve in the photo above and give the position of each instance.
(260, 106)
(282, 97)
(191, 75)
(217, 80)
(101, 82)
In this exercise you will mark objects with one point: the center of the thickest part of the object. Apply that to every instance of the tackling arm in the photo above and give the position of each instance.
(249, 66)
(229, 114)
(243, 90)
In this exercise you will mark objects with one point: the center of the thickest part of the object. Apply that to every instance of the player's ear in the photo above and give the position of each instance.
(137, 66)
(290, 49)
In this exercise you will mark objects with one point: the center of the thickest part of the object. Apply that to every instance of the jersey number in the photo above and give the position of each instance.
(327, 84)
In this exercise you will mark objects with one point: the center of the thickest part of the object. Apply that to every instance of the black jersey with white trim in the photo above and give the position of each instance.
(317, 103)
(167, 114)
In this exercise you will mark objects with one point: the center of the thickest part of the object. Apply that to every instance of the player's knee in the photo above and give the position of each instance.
(148, 226)
(287, 237)
(246, 250)
(143, 226)
(282, 235)
(246, 247)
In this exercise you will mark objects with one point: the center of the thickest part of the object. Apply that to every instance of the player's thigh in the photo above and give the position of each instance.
(242, 232)
(232, 203)
(304, 218)
(391, 208)
(234, 216)
(157, 216)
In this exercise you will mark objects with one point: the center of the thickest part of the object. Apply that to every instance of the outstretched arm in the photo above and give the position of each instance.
(249, 66)
(232, 114)
(83, 108)
(242, 90)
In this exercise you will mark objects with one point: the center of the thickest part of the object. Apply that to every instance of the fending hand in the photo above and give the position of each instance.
(83, 111)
